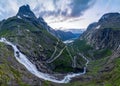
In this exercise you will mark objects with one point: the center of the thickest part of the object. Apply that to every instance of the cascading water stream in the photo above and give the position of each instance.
(21, 58)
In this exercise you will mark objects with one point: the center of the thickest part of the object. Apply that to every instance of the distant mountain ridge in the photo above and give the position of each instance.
(75, 31)
(58, 33)
(26, 13)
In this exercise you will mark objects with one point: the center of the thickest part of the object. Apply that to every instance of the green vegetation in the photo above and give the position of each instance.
(22, 32)
(95, 66)
(63, 69)
(47, 83)
(115, 28)
(81, 45)
(114, 74)
(8, 72)
(34, 41)
(80, 83)
(110, 78)
(102, 53)
(63, 63)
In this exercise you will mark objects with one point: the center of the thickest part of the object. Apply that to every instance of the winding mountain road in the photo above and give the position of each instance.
(52, 56)
(21, 58)
(50, 61)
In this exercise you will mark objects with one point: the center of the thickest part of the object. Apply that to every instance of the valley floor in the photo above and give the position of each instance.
(96, 76)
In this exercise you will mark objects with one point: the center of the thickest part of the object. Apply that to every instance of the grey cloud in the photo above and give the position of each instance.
(79, 6)
(7, 9)
(41, 7)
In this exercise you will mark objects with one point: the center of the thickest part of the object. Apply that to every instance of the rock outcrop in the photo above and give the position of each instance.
(105, 33)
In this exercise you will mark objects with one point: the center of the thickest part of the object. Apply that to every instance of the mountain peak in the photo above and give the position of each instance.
(109, 16)
(25, 11)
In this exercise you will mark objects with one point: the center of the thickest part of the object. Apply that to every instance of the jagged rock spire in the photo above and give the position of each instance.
(25, 11)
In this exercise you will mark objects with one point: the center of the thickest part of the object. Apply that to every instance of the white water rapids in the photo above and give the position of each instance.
(21, 58)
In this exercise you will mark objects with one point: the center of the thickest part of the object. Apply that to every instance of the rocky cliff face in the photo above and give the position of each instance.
(105, 33)
(101, 44)
(25, 11)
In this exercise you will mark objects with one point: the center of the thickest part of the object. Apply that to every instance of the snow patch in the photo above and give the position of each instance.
(19, 17)
(118, 47)
(68, 41)
(98, 27)
(25, 15)
(39, 45)
(28, 30)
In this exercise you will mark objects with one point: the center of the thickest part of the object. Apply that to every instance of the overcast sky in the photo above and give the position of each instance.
(63, 14)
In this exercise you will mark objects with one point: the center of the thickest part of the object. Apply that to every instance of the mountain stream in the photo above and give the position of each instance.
(21, 58)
